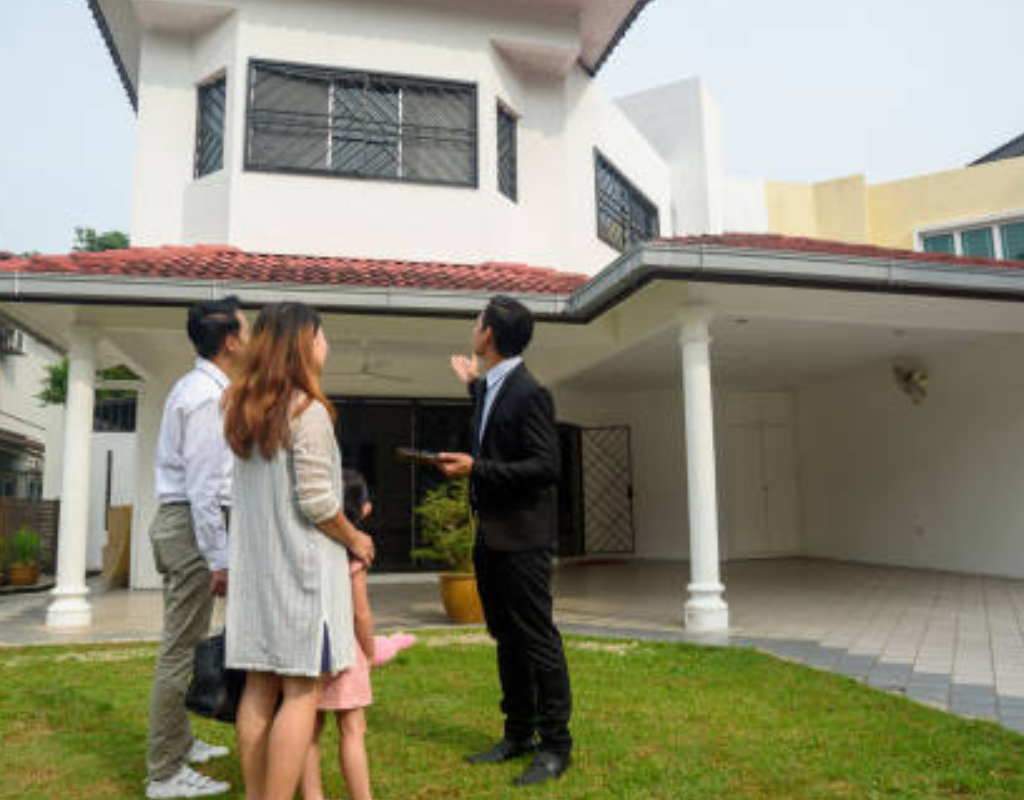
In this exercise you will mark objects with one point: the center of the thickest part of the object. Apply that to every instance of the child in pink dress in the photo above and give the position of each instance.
(348, 693)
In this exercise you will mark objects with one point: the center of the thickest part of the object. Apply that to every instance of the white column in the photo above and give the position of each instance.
(706, 611)
(69, 607)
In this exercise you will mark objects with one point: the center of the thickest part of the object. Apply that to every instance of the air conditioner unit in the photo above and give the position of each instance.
(13, 342)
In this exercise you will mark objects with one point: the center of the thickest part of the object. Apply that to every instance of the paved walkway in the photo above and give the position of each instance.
(953, 641)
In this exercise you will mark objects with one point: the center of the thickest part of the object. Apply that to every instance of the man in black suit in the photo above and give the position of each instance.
(513, 470)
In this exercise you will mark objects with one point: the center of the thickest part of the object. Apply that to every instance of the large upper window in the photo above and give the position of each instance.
(210, 128)
(624, 215)
(999, 240)
(359, 124)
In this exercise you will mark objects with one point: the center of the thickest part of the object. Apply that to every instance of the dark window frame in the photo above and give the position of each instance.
(340, 74)
(203, 90)
(508, 175)
(636, 200)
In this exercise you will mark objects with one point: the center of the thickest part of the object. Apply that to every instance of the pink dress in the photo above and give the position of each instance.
(350, 689)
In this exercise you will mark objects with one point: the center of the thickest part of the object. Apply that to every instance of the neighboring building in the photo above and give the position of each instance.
(1012, 149)
(396, 163)
(976, 211)
(24, 421)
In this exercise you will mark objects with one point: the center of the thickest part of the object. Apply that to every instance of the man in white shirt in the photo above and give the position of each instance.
(189, 535)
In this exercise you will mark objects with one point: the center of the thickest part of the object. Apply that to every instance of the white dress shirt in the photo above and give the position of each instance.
(495, 378)
(193, 460)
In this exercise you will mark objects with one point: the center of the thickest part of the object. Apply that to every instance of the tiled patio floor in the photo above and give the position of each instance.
(955, 641)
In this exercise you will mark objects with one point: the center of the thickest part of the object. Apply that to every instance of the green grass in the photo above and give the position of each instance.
(651, 721)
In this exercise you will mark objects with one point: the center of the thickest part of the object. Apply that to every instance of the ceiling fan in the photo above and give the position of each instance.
(367, 371)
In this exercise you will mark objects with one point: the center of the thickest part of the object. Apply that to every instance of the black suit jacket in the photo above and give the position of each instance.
(517, 465)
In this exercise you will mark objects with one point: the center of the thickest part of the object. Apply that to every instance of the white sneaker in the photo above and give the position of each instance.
(186, 783)
(202, 752)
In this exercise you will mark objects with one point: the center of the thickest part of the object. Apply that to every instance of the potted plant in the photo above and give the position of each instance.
(449, 532)
(23, 569)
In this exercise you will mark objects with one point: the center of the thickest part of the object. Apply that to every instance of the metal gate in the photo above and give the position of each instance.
(607, 491)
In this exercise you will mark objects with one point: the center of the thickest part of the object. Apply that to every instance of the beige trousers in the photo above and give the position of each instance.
(188, 606)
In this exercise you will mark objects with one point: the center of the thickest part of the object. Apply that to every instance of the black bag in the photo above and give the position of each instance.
(215, 691)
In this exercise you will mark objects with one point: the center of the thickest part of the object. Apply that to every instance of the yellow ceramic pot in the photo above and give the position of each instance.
(461, 599)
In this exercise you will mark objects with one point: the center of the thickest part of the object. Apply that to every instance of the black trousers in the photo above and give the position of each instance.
(515, 589)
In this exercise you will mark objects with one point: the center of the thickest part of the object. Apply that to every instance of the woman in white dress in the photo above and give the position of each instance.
(289, 614)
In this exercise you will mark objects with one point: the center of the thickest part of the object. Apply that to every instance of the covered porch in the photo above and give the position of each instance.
(754, 380)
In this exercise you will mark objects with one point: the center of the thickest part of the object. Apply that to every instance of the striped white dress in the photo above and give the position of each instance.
(286, 579)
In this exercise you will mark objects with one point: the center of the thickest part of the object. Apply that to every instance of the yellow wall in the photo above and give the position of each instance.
(887, 214)
(900, 207)
(792, 210)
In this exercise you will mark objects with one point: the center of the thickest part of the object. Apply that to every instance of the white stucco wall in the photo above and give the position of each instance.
(121, 447)
(937, 485)
(563, 118)
(746, 205)
(684, 123)
(655, 419)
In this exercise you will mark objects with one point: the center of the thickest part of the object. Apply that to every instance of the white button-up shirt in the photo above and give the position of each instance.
(495, 378)
(193, 460)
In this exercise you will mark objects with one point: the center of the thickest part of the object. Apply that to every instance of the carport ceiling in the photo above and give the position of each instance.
(769, 354)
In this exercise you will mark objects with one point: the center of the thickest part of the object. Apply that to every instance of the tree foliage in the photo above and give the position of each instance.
(87, 240)
(55, 384)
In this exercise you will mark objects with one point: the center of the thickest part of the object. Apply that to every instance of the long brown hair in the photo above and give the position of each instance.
(277, 368)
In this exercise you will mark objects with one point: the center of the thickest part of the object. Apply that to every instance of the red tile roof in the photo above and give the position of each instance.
(229, 264)
(796, 244)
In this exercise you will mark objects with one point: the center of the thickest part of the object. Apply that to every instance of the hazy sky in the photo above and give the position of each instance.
(809, 89)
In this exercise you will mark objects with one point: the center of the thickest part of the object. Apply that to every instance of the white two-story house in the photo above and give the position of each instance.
(451, 131)
(724, 393)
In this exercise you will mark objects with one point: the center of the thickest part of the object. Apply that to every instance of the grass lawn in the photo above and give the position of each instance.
(651, 721)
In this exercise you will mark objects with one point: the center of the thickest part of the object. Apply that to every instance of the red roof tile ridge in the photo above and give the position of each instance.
(806, 244)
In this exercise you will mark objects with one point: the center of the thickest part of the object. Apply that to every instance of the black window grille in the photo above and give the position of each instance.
(115, 415)
(624, 215)
(508, 158)
(210, 128)
(363, 125)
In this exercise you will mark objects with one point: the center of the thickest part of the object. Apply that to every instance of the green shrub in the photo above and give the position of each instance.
(24, 547)
(449, 528)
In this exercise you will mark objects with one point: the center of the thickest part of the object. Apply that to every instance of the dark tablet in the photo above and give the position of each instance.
(416, 456)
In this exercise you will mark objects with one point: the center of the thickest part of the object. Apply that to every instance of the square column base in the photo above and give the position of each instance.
(69, 611)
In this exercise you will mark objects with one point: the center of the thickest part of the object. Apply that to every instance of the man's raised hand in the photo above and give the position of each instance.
(466, 368)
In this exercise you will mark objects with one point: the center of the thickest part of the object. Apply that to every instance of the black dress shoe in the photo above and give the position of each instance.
(505, 750)
(545, 767)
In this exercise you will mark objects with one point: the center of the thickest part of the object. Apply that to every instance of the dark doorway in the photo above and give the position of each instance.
(369, 432)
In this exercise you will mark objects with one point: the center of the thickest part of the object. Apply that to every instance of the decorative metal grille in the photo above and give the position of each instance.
(115, 415)
(624, 215)
(210, 128)
(364, 125)
(607, 491)
(508, 165)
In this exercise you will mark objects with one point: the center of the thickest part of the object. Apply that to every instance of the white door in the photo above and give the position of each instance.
(761, 499)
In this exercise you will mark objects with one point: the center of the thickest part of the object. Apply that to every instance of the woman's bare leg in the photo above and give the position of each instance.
(312, 780)
(355, 767)
(290, 736)
(255, 718)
